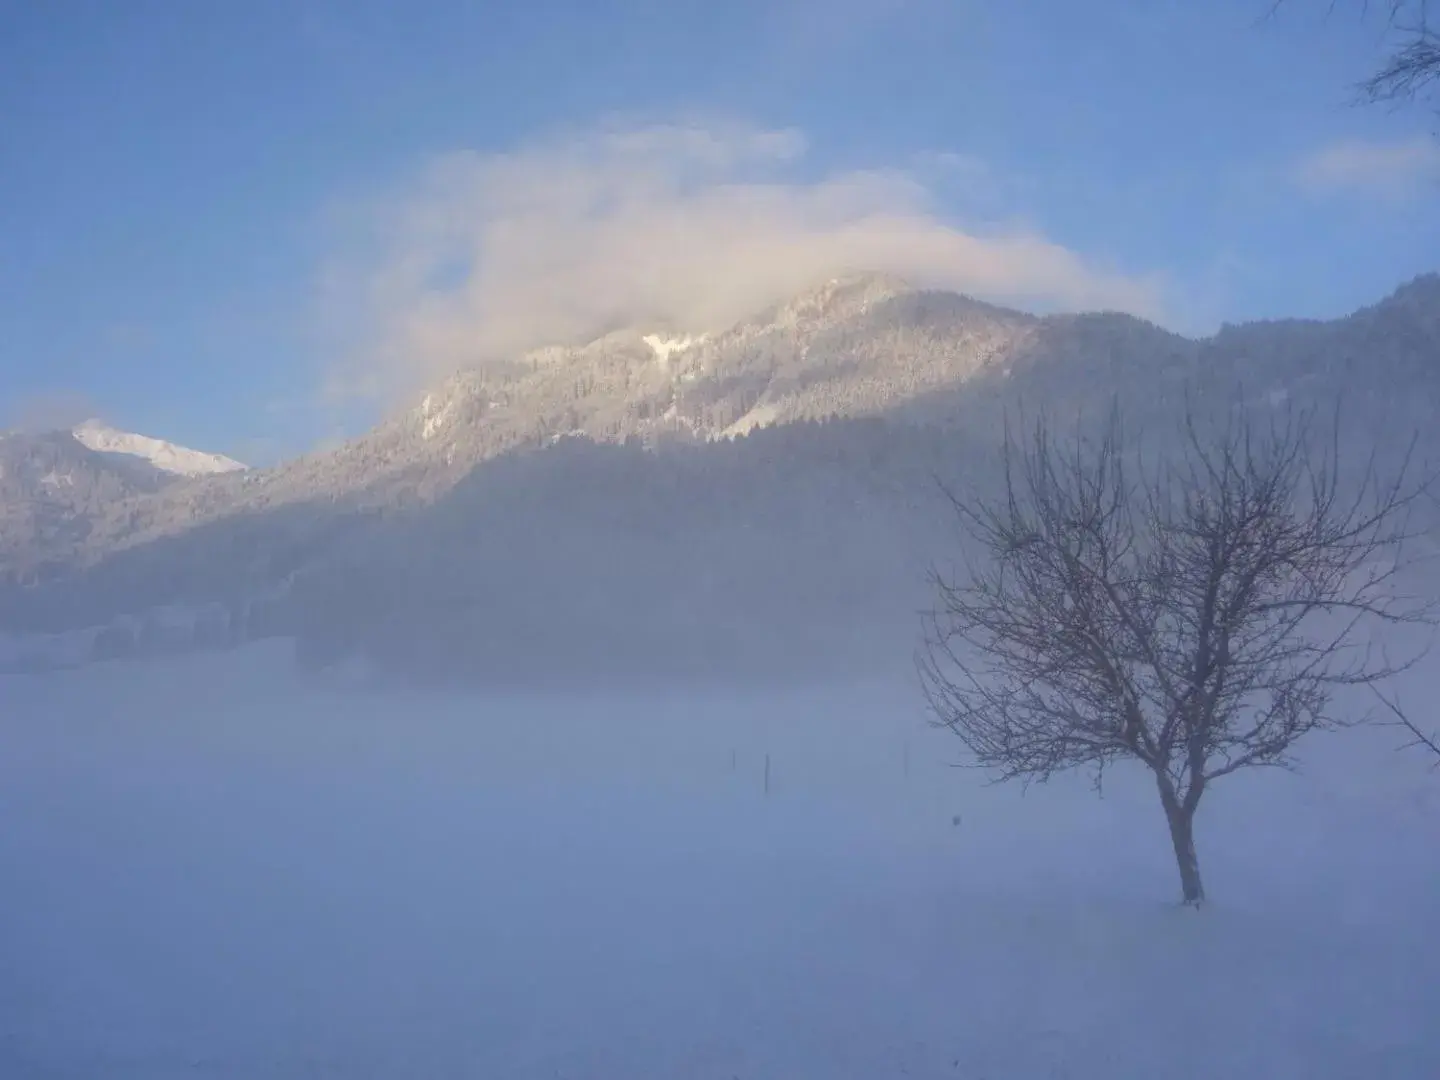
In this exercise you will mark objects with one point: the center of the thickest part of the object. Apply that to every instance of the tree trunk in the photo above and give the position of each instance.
(1182, 838)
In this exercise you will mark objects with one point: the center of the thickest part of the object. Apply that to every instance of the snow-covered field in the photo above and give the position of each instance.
(208, 869)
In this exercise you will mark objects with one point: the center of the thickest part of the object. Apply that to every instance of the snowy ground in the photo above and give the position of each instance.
(208, 870)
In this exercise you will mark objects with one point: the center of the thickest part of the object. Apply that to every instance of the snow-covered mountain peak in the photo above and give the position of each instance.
(843, 296)
(165, 456)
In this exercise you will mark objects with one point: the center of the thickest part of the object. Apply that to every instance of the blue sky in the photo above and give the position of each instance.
(219, 223)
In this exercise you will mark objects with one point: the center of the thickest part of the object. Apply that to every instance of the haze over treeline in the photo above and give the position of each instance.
(703, 498)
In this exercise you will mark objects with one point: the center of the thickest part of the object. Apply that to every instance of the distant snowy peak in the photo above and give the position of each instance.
(167, 457)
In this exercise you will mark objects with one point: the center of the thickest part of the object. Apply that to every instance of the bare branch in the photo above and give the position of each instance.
(1412, 67)
(1409, 72)
(1399, 718)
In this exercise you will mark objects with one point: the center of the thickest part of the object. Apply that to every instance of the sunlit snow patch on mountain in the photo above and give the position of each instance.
(165, 456)
(666, 347)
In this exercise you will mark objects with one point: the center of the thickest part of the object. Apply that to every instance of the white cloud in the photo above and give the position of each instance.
(1396, 169)
(693, 225)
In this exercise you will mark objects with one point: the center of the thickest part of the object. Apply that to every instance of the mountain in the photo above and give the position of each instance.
(854, 347)
(165, 456)
(55, 486)
(700, 499)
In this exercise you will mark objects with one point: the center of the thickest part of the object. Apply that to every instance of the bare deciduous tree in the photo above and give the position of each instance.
(1197, 616)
